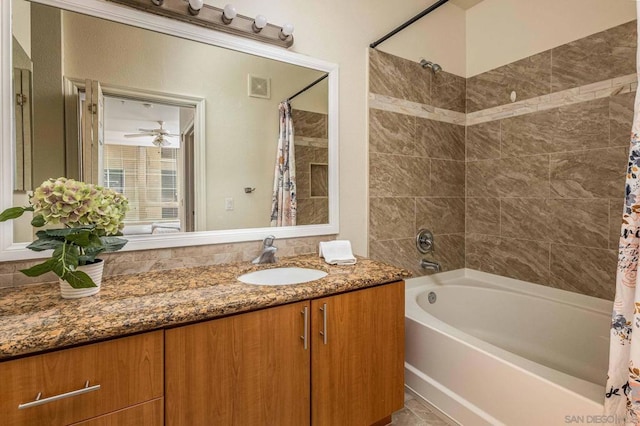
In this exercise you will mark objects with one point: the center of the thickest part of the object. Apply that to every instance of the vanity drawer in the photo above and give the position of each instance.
(149, 413)
(120, 373)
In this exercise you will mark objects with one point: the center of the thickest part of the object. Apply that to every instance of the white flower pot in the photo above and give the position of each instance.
(94, 271)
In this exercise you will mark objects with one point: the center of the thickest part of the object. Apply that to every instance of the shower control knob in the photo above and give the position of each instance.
(424, 241)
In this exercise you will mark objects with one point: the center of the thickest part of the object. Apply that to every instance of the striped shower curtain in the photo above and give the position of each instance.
(283, 203)
(622, 398)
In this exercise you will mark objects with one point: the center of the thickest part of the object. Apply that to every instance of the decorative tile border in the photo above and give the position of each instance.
(314, 142)
(601, 89)
(387, 103)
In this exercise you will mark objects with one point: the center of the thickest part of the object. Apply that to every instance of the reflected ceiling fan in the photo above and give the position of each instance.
(161, 135)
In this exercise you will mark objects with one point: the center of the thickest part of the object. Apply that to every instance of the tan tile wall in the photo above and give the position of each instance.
(544, 176)
(311, 146)
(122, 263)
(544, 202)
(545, 189)
(601, 56)
(416, 163)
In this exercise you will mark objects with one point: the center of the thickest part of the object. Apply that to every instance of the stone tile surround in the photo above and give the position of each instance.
(416, 163)
(544, 175)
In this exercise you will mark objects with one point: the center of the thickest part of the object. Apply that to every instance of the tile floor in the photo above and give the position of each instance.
(417, 412)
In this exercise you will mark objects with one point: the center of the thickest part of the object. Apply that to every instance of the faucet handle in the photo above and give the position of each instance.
(268, 242)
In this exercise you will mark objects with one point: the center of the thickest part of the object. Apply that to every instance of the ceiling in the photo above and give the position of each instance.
(465, 4)
(128, 116)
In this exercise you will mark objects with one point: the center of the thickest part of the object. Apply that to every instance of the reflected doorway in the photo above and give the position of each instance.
(145, 157)
(142, 145)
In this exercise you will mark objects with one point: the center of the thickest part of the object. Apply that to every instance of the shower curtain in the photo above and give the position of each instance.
(283, 203)
(622, 398)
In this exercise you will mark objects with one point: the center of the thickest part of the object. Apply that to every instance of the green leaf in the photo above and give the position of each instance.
(42, 244)
(82, 239)
(12, 213)
(113, 243)
(67, 256)
(64, 232)
(78, 279)
(40, 269)
(38, 221)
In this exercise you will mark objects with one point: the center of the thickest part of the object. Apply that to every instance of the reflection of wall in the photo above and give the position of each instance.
(21, 24)
(310, 130)
(241, 131)
(48, 103)
(416, 163)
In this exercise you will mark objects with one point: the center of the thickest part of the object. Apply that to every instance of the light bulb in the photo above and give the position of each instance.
(195, 6)
(259, 23)
(286, 31)
(228, 14)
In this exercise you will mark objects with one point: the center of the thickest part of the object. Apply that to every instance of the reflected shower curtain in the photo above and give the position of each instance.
(622, 399)
(283, 203)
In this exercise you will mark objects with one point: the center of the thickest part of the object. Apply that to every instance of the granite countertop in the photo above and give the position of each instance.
(36, 318)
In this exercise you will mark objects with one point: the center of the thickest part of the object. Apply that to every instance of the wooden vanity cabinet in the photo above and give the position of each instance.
(357, 361)
(253, 369)
(128, 370)
(247, 369)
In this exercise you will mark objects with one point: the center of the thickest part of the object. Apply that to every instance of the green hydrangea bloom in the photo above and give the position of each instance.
(73, 203)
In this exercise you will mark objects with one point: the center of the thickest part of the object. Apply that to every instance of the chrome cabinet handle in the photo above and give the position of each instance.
(38, 401)
(304, 312)
(323, 333)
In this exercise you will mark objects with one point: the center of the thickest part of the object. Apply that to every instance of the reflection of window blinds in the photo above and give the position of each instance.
(149, 178)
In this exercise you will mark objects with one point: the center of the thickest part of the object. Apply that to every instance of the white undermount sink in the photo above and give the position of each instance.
(282, 276)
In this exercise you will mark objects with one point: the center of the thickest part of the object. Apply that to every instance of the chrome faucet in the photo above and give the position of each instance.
(432, 265)
(268, 254)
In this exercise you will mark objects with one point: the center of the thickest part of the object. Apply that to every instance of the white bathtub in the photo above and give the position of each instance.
(493, 350)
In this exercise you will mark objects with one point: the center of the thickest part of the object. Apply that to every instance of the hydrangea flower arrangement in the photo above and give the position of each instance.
(92, 217)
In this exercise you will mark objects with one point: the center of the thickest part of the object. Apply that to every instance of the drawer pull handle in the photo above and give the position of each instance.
(306, 325)
(323, 333)
(38, 401)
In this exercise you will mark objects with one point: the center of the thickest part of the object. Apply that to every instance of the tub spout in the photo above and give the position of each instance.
(432, 265)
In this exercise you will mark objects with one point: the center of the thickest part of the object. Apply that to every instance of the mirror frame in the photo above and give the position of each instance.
(114, 12)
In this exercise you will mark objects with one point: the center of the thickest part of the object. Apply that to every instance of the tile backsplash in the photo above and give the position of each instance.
(542, 194)
(131, 262)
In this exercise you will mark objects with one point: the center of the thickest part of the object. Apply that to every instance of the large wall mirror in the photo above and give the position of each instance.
(186, 123)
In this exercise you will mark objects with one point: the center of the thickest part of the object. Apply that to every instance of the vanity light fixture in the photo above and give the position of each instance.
(226, 19)
(285, 32)
(259, 23)
(195, 6)
(228, 13)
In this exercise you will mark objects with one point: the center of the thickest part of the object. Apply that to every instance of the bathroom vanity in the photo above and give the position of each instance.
(195, 346)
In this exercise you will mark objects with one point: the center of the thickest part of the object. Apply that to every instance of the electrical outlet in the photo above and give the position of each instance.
(228, 203)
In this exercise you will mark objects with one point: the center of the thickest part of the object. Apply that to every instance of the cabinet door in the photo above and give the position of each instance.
(120, 373)
(357, 365)
(247, 369)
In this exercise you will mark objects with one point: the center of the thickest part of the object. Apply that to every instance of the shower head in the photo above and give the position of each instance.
(428, 64)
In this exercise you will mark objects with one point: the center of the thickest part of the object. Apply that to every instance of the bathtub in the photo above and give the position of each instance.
(493, 350)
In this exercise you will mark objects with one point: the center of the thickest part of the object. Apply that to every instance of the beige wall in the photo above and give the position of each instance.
(438, 37)
(502, 31)
(21, 25)
(48, 102)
